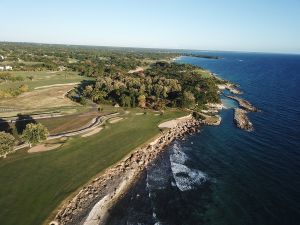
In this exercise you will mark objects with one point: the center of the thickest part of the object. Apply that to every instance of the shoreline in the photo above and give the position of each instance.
(91, 204)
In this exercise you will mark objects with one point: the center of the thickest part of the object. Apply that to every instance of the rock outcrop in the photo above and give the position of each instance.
(244, 103)
(241, 120)
(230, 87)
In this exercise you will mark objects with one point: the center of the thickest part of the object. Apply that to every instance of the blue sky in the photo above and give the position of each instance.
(238, 25)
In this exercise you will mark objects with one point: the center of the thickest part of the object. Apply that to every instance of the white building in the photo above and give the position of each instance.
(8, 68)
(1, 68)
(1, 57)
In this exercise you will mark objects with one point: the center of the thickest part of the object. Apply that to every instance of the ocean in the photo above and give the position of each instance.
(223, 175)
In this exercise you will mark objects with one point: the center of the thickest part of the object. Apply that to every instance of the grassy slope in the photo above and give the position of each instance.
(66, 123)
(32, 185)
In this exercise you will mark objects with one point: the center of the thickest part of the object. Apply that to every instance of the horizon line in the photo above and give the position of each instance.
(155, 48)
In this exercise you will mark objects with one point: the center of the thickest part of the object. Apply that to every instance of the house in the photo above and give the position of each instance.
(8, 68)
(1, 57)
(116, 105)
(1, 68)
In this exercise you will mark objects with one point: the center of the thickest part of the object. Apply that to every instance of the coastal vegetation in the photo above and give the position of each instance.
(53, 89)
(161, 85)
(7, 142)
(35, 133)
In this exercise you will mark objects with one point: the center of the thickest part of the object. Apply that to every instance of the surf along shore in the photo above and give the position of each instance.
(91, 204)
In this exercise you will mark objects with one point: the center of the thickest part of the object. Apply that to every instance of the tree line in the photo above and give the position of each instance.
(162, 85)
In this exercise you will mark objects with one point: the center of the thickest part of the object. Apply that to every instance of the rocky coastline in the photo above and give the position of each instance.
(241, 120)
(240, 114)
(243, 103)
(230, 87)
(91, 204)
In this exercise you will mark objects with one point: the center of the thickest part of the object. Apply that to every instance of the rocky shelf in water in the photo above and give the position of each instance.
(230, 87)
(241, 120)
(243, 103)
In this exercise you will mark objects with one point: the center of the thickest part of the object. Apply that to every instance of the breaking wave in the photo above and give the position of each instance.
(185, 178)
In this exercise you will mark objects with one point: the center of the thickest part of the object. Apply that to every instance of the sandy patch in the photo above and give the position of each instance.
(115, 120)
(173, 123)
(43, 148)
(95, 131)
(138, 114)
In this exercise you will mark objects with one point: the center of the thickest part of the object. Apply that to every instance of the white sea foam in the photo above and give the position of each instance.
(177, 155)
(185, 177)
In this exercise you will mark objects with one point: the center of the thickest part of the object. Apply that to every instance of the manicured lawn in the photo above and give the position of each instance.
(32, 185)
(66, 123)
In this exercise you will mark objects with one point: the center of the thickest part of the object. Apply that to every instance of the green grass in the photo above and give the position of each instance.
(202, 73)
(33, 185)
(42, 78)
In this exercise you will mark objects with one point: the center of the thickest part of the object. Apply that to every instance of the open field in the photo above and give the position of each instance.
(43, 95)
(42, 78)
(42, 98)
(41, 101)
(33, 185)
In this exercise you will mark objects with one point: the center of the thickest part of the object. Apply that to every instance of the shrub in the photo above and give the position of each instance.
(7, 142)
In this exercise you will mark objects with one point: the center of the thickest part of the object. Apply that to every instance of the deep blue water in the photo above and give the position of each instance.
(223, 175)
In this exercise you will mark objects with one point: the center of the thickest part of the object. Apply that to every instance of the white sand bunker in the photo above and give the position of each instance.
(95, 131)
(43, 148)
(115, 120)
(173, 123)
(138, 114)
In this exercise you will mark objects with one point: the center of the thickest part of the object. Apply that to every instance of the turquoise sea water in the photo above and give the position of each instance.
(223, 175)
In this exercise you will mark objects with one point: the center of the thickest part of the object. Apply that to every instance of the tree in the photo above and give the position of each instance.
(98, 95)
(88, 90)
(35, 133)
(188, 99)
(7, 142)
(142, 101)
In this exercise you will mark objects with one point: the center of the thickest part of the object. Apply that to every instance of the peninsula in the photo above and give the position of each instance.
(56, 106)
